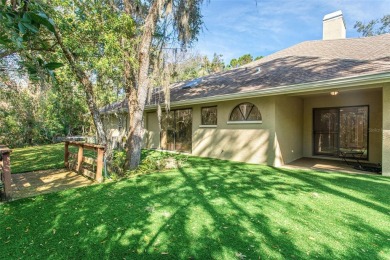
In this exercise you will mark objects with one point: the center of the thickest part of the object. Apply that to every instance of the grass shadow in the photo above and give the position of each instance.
(208, 209)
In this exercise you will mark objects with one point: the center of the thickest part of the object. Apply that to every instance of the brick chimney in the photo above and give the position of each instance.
(334, 26)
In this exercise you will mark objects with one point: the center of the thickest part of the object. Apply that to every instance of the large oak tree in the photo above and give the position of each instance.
(150, 27)
(160, 23)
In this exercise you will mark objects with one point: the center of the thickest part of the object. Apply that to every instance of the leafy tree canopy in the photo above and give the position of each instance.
(244, 59)
(100, 46)
(374, 27)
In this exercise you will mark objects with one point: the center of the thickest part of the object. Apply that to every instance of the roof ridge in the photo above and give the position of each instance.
(286, 50)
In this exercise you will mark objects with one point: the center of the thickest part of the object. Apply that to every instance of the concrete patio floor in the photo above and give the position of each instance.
(324, 165)
(39, 182)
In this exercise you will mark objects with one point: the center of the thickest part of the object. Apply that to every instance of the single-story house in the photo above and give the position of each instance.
(313, 99)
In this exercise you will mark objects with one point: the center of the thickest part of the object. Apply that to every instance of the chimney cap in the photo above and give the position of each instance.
(333, 15)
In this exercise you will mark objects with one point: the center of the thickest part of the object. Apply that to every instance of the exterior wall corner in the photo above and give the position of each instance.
(386, 132)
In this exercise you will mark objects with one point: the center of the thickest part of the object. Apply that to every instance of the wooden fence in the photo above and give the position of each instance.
(5, 168)
(90, 167)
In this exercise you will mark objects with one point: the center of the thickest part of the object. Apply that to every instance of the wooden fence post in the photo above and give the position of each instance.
(67, 155)
(6, 176)
(99, 168)
(84, 164)
(80, 159)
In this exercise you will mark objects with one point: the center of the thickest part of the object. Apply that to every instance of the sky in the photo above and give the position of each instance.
(237, 27)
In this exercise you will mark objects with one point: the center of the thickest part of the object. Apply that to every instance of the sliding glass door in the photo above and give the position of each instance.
(176, 134)
(326, 131)
(167, 135)
(342, 128)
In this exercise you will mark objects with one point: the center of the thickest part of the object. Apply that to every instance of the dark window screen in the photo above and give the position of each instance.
(337, 129)
(209, 115)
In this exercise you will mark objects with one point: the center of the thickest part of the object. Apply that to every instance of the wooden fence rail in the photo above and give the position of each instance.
(82, 164)
(5, 168)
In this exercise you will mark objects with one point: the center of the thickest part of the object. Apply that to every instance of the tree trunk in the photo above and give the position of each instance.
(138, 89)
(135, 134)
(88, 88)
(137, 101)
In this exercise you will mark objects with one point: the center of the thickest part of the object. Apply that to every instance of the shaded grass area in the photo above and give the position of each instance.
(43, 157)
(35, 158)
(206, 209)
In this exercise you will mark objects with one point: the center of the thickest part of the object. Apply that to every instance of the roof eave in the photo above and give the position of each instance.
(115, 111)
(289, 89)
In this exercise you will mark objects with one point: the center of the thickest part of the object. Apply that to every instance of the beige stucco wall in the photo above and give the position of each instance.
(386, 131)
(373, 98)
(289, 128)
(111, 126)
(253, 143)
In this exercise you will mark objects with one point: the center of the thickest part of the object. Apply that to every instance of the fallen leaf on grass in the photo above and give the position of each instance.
(240, 256)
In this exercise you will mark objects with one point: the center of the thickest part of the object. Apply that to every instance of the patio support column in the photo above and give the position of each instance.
(386, 132)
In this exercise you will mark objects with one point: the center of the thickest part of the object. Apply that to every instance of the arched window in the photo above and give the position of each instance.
(245, 112)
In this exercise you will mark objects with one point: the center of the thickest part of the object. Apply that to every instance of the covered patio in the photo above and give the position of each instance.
(346, 122)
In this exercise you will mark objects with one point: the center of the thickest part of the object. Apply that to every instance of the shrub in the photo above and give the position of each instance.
(151, 161)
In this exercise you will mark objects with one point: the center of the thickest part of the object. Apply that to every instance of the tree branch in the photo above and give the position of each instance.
(10, 52)
(88, 88)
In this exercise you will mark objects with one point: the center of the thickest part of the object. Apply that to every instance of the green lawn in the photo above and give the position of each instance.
(43, 157)
(207, 209)
(35, 158)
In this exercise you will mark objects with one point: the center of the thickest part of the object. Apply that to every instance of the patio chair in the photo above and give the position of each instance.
(356, 154)
(353, 153)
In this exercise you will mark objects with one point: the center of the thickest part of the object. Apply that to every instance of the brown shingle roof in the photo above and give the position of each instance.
(114, 107)
(306, 62)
